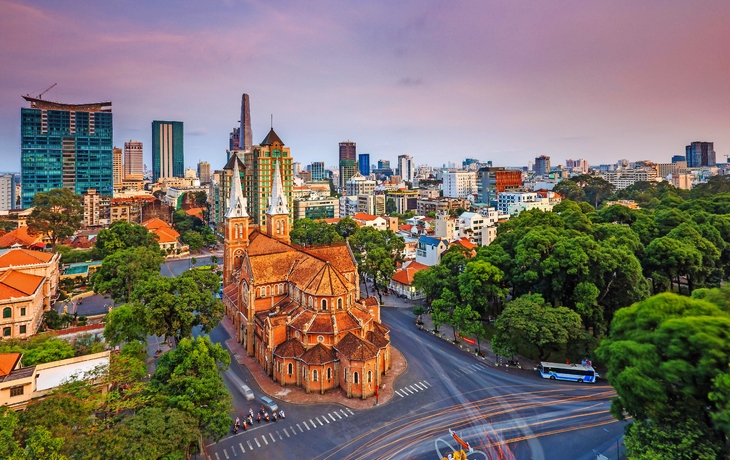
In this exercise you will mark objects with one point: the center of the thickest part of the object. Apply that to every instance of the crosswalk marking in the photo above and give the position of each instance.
(257, 442)
(216, 456)
(249, 445)
(396, 392)
(241, 446)
(306, 426)
(338, 415)
(333, 419)
(272, 437)
(351, 412)
(420, 386)
(344, 413)
(265, 441)
(314, 425)
(233, 449)
(286, 433)
(414, 389)
(300, 428)
(279, 434)
(226, 452)
(426, 383)
(408, 390)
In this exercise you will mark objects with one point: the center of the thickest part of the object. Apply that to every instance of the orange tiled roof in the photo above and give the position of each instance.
(331, 220)
(376, 339)
(292, 348)
(155, 223)
(370, 301)
(322, 324)
(166, 235)
(405, 276)
(18, 257)
(355, 348)
(8, 362)
(194, 212)
(465, 242)
(14, 284)
(328, 282)
(318, 354)
(346, 322)
(336, 254)
(19, 236)
(363, 216)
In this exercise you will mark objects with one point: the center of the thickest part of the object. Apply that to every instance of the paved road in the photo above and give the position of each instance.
(92, 305)
(442, 388)
(176, 267)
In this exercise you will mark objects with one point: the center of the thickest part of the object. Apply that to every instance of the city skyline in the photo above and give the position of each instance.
(567, 80)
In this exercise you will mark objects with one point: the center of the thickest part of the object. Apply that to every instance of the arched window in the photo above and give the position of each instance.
(339, 304)
(310, 300)
(355, 378)
(268, 291)
(314, 375)
(370, 376)
(291, 369)
(280, 289)
(329, 373)
(324, 304)
(6, 332)
(7, 313)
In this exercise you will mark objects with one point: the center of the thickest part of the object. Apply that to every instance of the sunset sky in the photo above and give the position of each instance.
(441, 80)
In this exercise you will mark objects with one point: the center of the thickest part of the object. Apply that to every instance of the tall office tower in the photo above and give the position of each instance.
(7, 192)
(383, 164)
(296, 167)
(364, 161)
(245, 134)
(318, 172)
(542, 165)
(204, 172)
(348, 162)
(133, 164)
(65, 145)
(234, 139)
(700, 154)
(579, 164)
(117, 167)
(258, 179)
(406, 168)
(678, 158)
(168, 159)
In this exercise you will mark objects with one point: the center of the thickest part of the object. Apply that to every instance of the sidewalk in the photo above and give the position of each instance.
(295, 395)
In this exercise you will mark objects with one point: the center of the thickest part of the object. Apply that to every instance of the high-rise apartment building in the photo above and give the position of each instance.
(259, 166)
(459, 184)
(317, 170)
(406, 168)
(168, 159)
(542, 165)
(117, 167)
(579, 164)
(296, 167)
(133, 164)
(491, 181)
(363, 161)
(65, 146)
(7, 192)
(234, 139)
(204, 172)
(700, 154)
(348, 162)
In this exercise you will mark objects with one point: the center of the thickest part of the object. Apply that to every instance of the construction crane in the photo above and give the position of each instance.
(44, 92)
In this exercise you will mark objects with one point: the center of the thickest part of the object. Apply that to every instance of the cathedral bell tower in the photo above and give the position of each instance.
(235, 239)
(277, 216)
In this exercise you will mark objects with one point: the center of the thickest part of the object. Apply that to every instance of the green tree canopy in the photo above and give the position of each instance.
(57, 214)
(122, 270)
(126, 323)
(307, 232)
(377, 253)
(123, 235)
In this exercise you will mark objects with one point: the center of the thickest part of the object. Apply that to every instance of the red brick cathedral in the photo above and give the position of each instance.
(298, 310)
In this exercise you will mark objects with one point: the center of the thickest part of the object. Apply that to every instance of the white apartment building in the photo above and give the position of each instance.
(513, 203)
(348, 206)
(444, 227)
(406, 168)
(459, 184)
(429, 250)
(359, 185)
(626, 177)
(371, 204)
(7, 192)
(369, 220)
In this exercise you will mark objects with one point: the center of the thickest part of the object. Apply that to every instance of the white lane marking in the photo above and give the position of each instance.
(306, 426)
(351, 412)
(241, 446)
(272, 437)
(344, 413)
(249, 445)
(414, 389)
(333, 419)
(265, 441)
(320, 421)
(314, 425)
(300, 428)
(396, 392)
(406, 389)
(225, 452)
(422, 387)
(216, 456)
(257, 441)
(279, 435)
(338, 415)
(286, 433)
(426, 383)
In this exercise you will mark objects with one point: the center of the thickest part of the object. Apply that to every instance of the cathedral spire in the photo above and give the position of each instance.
(236, 200)
(277, 199)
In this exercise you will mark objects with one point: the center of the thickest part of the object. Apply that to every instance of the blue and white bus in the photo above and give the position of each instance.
(572, 372)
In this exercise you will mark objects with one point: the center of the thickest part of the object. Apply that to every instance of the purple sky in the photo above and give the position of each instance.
(440, 80)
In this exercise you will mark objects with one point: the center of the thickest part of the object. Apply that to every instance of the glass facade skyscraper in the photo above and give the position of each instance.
(65, 146)
(364, 162)
(168, 159)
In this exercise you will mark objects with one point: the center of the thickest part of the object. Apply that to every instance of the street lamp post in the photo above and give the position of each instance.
(618, 450)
